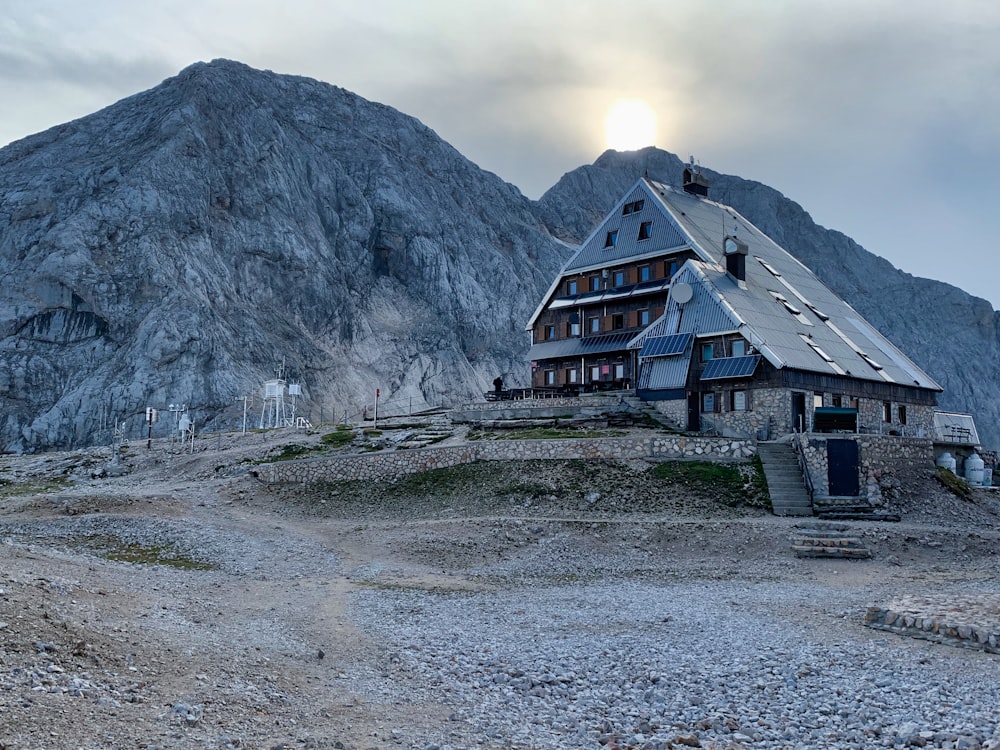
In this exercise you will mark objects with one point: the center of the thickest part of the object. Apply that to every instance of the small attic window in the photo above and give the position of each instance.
(612, 239)
(645, 230)
(631, 208)
(817, 312)
(771, 269)
(790, 307)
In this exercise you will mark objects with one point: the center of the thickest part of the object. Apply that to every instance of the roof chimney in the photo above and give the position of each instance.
(736, 258)
(695, 182)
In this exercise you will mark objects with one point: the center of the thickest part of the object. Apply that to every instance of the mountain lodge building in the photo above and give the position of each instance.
(684, 301)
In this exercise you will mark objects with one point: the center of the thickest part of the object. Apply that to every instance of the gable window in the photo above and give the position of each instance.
(617, 321)
(550, 332)
(612, 239)
(739, 348)
(594, 325)
(645, 230)
(619, 278)
(595, 283)
(707, 352)
(571, 287)
(643, 317)
(631, 208)
(645, 273)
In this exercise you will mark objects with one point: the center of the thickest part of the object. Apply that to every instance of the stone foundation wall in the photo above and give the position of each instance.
(674, 412)
(390, 465)
(542, 408)
(880, 458)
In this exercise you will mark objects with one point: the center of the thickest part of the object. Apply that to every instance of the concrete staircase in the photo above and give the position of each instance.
(784, 480)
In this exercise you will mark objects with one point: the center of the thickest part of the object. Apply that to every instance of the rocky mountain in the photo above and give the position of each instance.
(952, 335)
(178, 245)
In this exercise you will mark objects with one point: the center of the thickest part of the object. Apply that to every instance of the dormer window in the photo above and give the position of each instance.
(612, 239)
(645, 230)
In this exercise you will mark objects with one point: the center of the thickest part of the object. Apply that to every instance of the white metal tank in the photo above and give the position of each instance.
(946, 461)
(974, 470)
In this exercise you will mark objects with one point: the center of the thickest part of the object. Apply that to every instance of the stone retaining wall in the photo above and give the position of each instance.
(881, 458)
(968, 621)
(542, 408)
(390, 465)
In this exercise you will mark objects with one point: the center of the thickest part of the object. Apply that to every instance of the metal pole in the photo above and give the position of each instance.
(378, 391)
(244, 414)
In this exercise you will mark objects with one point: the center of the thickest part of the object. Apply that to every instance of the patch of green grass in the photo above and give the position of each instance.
(338, 438)
(372, 432)
(112, 548)
(954, 484)
(17, 489)
(292, 451)
(732, 483)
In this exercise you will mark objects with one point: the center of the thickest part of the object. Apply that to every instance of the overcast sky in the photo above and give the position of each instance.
(881, 118)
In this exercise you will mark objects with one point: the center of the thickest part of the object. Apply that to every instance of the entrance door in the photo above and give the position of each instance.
(842, 467)
(694, 412)
(799, 412)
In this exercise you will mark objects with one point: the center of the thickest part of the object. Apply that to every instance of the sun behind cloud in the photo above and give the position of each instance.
(629, 125)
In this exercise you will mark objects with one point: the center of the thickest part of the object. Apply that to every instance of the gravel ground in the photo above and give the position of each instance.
(184, 605)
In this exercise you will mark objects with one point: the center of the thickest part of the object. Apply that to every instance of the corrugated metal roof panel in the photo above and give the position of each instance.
(577, 347)
(663, 373)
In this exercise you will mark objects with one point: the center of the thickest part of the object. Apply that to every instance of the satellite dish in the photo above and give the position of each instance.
(681, 292)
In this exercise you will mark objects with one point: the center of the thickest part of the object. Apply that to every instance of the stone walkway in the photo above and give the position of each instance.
(965, 620)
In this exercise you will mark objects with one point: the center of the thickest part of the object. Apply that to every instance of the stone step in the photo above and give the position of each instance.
(821, 542)
(831, 552)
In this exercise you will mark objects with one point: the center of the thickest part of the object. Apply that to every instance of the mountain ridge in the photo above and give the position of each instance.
(176, 246)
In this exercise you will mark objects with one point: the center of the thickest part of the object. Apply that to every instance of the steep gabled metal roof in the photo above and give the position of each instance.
(785, 311)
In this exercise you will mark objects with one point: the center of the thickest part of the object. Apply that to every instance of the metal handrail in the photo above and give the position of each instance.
(804, 467)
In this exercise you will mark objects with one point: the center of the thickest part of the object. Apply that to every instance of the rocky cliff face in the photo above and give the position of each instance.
(952, 335)
(179, 244)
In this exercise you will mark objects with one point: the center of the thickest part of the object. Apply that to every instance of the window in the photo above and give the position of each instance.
(645, 230)
(594, 325)
(571, 287)
(595, 283)
(595, 374)
(550, 332)
(838, 400)
(574, 329)
(617, 322)
(550, 377)
(707, 352)
(887, 412)
(631, 208)
(643, 317)
(645, 273)
(612, 239)
(817, 400)
(619, 372)
(738, 401)
(619, 278)
(739, 348)
(902, 413)
(571, 375)
(671, 268)
(708, 402)
(790, 307)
